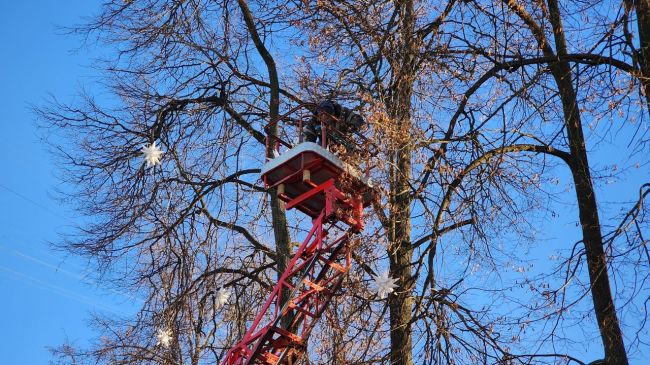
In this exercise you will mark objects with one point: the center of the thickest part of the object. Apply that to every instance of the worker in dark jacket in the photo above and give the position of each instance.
(340, 124)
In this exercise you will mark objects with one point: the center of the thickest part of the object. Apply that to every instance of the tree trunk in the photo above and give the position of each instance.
(604, 307)
(400, 250)
(278, 212)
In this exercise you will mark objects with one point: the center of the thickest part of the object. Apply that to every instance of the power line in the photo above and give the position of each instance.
(32, 201)
(59, 290)
(58, 268)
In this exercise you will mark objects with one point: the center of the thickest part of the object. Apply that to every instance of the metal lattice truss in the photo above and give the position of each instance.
(309, 180)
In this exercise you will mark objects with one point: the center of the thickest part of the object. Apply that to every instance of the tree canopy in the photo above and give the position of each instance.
(477, 110)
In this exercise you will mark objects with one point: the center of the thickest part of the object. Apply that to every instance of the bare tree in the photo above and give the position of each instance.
(472, 106)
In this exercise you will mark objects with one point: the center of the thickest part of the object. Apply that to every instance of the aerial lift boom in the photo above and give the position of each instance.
(316, 182)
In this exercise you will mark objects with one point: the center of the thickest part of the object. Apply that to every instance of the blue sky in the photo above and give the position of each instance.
(46, 297)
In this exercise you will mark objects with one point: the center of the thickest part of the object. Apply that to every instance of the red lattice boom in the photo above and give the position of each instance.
(279, 333)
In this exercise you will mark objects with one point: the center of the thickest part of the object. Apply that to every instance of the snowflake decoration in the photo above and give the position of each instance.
(221, 297)
(164, 337)
(384, 284)
(152, 154)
